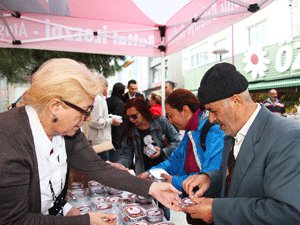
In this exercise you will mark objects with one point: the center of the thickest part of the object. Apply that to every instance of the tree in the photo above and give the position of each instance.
(17, 64)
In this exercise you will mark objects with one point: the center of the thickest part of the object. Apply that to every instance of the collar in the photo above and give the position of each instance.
(41, 141)
(276, 101)
(131, 96)
(243, 131)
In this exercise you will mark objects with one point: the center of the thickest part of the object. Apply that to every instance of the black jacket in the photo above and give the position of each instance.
(137, 95)
(115, 106)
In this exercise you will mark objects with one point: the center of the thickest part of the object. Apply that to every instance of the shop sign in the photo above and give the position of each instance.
(287, 57)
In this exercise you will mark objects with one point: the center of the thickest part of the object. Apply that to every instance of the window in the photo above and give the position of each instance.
(156, 72)
(199, 55)
(257, 34)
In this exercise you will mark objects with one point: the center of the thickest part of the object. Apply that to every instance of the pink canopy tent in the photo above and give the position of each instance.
(118, 27)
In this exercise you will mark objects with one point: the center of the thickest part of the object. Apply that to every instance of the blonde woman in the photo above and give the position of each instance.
(40, 140)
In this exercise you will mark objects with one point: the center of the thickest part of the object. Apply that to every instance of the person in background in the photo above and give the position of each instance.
(193, 155)
(143, 138)
(41, 140)
(169, 87)
(260, 174)
(155, 104)
(274, 104)
(99, 126)
(132, 91)
(115, 106)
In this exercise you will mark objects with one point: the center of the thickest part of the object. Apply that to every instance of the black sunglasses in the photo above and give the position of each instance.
(86, 113)
(133, 116)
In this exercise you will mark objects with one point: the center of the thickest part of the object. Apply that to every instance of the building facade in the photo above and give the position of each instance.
(265, 47)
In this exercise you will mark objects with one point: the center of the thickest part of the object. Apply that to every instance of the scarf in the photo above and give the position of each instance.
(190, 164)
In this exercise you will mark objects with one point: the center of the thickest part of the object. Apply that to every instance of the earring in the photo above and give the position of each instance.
(54, 119)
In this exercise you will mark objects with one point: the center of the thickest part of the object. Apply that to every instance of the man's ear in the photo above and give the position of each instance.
(238, 101)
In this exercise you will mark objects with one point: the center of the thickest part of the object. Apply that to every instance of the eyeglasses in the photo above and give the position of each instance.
(133, 116)
(86, 113)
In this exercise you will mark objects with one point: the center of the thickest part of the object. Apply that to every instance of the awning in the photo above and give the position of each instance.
(117, 27)
(274, 84)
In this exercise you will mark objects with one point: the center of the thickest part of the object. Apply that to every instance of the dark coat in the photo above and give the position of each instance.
(20, 197)
(137, 95)
(265, 182)
(115, 106)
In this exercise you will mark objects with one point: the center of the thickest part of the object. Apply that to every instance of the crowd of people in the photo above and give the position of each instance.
(237, 160)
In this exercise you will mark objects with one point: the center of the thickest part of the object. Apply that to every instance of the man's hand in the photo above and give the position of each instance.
(166, 194)
(97, 218)
(202, 181)
(203, 209)
(145, 175)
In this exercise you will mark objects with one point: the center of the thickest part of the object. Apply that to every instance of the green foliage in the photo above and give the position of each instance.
(17, 64)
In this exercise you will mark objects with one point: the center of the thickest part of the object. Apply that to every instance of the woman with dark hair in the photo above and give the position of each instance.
(143, 137)
(193, 155)
(144, 132)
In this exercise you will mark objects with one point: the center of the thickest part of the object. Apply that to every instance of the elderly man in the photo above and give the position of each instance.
(260, 173)
(274, 104)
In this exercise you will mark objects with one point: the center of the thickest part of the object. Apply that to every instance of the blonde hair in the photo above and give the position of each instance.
(61, 78)
(156, 97)
(101, 78)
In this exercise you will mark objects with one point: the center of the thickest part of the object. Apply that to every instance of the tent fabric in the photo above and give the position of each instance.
(119, 27)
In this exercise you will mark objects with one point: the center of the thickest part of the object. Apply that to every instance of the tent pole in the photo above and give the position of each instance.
(163, 78)
(162, 48)
(7, 26)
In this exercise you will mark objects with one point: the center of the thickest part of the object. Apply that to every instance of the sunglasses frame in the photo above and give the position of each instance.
(133, 116)
(85, 113)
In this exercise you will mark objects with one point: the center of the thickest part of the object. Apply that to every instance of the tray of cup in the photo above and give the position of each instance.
(140, 199)
(84, 209)
(142, 222)
(113, 199)
(164, 223)
(154, 215)
(95, 187)
(187, 202)
(76, 185)
(104, 207)
(113, 191)
(96, 199)
(134, 213)
(123, 202)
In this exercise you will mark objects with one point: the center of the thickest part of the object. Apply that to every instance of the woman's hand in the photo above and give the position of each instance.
(98, 218)
(166, 194)
(119, 166)
(145, 175)
(157, 153)
(73, 212)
